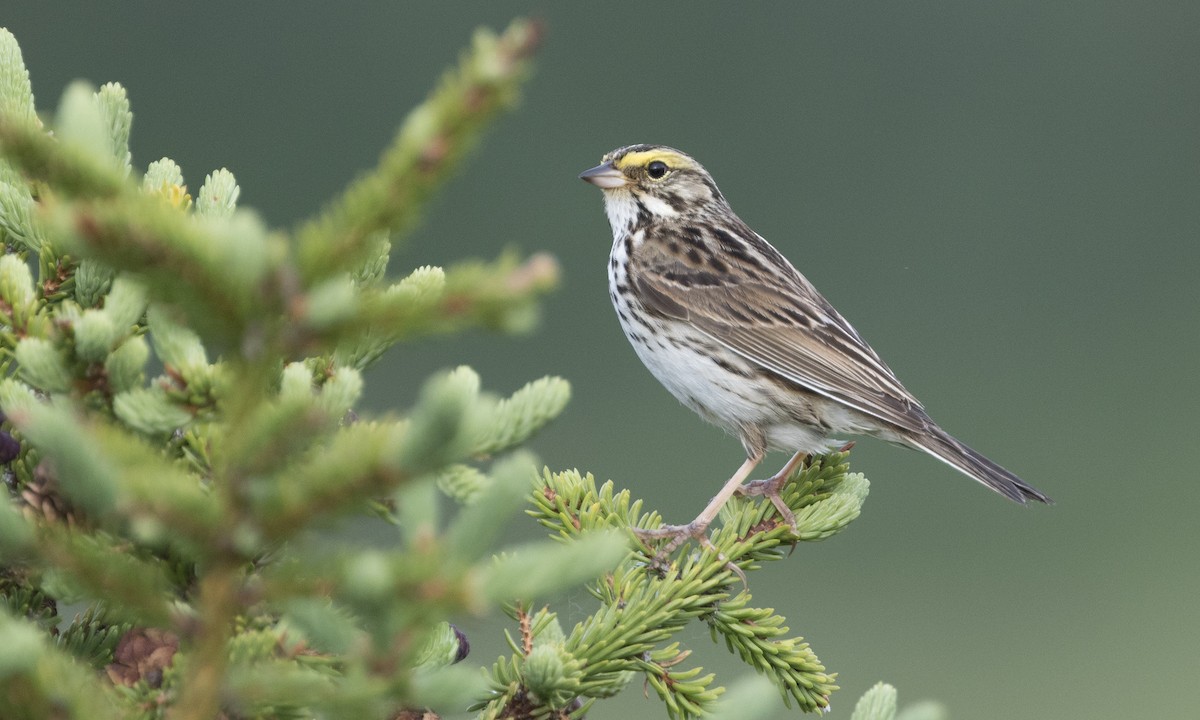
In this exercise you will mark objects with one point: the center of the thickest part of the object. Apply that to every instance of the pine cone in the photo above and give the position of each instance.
(142, 654)
(43, 499)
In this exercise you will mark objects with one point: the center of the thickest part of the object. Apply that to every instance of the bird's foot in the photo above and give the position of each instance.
(677, 535)
(772, 488)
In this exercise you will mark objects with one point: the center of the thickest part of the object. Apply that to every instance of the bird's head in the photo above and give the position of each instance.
(648, 183)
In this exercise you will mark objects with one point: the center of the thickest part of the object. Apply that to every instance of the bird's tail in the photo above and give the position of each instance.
(949, 450)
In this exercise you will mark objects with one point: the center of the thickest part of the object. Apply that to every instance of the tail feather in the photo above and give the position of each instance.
(949, 450)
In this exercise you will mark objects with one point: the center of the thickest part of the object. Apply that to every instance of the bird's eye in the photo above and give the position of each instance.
(657, 170)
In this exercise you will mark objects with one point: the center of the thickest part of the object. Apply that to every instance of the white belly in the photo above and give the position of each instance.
(716, 383)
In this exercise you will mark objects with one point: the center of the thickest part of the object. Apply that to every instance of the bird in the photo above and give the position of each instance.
(733, 330)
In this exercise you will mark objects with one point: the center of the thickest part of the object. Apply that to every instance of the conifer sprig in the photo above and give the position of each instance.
(183, 503)
(428, 147)
(644, 603)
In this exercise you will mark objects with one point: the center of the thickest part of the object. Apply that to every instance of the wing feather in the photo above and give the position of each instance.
(783, 325)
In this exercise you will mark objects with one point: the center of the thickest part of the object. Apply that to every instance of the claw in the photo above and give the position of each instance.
(677, 534)
(680, 534)
(771, 489)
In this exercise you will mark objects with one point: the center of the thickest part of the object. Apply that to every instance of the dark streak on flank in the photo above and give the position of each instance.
(690, 279)
(693, 236)
(729, 367)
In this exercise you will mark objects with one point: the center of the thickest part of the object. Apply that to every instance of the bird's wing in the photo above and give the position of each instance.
(779, 322)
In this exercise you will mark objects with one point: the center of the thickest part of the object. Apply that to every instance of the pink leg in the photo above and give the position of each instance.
(772, 485)
(697, 527)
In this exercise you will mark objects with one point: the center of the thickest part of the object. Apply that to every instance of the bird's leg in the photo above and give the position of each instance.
(772, 486)
(678, 534)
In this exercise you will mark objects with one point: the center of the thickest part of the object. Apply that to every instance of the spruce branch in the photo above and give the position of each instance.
(93, 636)
(644, 604)
(16, 92)
(176, 502)
(515, 419)
(19, 598)
(218, 195)
(17, 227)
(71, 170)
(222, 266)
(360, 460)
(428, 147)
(114, 111)
(39, 681)
(878, 703)
(16, 102)
(96, 565)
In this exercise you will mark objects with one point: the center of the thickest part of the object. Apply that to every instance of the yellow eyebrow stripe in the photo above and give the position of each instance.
(645, 157)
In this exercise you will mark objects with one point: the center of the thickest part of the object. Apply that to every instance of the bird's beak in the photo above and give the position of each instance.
(604, 176)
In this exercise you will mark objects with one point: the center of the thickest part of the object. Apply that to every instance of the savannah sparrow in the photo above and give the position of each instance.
(738, 335)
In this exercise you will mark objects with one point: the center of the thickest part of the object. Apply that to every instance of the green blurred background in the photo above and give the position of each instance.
(1003, 197)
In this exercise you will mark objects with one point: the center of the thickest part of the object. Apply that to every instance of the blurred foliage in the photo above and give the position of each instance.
(879, 703)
